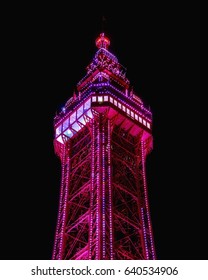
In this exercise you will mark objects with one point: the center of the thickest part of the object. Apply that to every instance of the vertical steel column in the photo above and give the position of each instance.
(110, 190)
(145, 212)
(59, 236)
(92, 187)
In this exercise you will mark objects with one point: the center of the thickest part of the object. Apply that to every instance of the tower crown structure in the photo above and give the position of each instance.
(102, 136)
(102, 41)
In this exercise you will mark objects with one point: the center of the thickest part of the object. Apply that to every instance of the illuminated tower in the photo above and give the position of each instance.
(102, 137)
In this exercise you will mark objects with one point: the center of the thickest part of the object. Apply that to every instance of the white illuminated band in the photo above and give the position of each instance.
(125, 108)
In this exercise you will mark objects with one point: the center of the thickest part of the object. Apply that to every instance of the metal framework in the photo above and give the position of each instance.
(102, 136)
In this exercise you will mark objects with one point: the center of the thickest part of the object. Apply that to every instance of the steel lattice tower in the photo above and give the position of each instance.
(102, 137)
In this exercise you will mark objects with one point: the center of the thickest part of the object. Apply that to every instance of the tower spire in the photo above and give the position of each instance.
(103, 24)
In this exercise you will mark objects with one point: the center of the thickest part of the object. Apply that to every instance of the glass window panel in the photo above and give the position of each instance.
(79, 111)
(58, 130)
(148, 125)
(140, 119)
(59, 139)
(144, 122)
(76, 127)
(105, 98)
(73, 117)
(82, 120)
(65, 124)
(119, 105)
(111, 99)
(89, 114)
(87, 104)
(100, 99)
(68, 133)
(94, 99)
(136, 117)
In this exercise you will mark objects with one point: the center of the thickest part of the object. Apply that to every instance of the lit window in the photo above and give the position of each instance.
(119, 105)
(144, 122)
(105, 98)
(148, 125)
(111, 99)
(124, 108)
(73, 117)
(136, 117)
(58, 130)
(94, 99)
(89, 113)
(65, 124)
(128, 111)
(132, 114)
(76, 127)
(68, 133)
(87, 104)
(79, 111)
(115, 102)
(100, 99)
(59, 139)
(140, 119)
(82, 120)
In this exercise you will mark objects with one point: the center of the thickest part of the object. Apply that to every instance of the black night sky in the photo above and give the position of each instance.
(46, 55)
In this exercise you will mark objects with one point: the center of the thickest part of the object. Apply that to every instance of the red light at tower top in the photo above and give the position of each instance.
(102, 42)
(102, 138)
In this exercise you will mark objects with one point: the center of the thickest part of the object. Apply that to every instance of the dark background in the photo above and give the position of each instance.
(46, 52)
